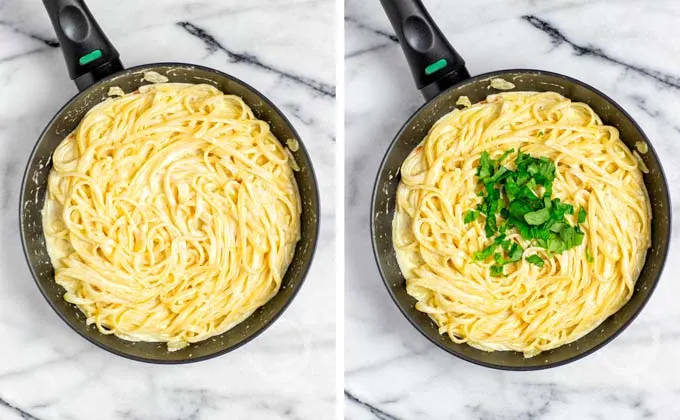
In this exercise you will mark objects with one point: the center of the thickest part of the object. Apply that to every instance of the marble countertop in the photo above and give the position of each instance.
(628, 49)
(47, 371)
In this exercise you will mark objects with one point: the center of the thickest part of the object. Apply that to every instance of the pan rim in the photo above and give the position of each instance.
(313, 244)
(421, 328)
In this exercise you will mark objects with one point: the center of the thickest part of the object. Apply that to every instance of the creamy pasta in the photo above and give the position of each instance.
(172, 214)
(530, 309)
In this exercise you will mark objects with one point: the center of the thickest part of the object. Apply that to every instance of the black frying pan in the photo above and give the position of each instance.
(94, 65)
(441, 76)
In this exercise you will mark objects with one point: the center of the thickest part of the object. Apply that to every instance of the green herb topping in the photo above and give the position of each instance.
(522, 199)
(535, 260)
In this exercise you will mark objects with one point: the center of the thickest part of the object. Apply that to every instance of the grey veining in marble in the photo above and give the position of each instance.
(628, 49)
(285, 49)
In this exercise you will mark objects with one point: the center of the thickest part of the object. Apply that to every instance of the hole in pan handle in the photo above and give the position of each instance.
(434, 63)
(88, 53)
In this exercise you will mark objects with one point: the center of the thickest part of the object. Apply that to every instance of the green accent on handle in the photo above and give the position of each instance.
(90, 57)
(436, 66)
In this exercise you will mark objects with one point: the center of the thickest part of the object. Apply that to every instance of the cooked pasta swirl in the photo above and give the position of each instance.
(172, 214)
(532, 309)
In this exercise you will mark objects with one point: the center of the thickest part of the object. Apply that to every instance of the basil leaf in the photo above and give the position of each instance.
(537, 217)
(496, 271)
(505, 154)
(519, 208)
(484, 253)
(485, 166)
(581, 215)
(515, 252)
(556, 245)
(470, 216)
(535, 260)
(556, 227)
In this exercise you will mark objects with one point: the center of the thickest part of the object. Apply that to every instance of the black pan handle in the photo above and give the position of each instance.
(434, 63)
(89, 54)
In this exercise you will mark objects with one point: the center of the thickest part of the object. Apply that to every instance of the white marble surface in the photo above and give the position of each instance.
(283, 48)
(630, 50)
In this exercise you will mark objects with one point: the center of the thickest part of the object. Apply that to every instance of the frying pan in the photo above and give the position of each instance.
(94, 66)
(441, 76)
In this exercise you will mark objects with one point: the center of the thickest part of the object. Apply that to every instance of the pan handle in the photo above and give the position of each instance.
(89, 55)
(434, 63)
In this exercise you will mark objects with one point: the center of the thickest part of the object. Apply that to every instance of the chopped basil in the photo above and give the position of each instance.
(470, 216)
(513, 199)
(535, 260)
(537, 217)
(496, 271)
(581, 215)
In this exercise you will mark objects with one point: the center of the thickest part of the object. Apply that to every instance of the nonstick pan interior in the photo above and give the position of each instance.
(33, 196)
(477, 88)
